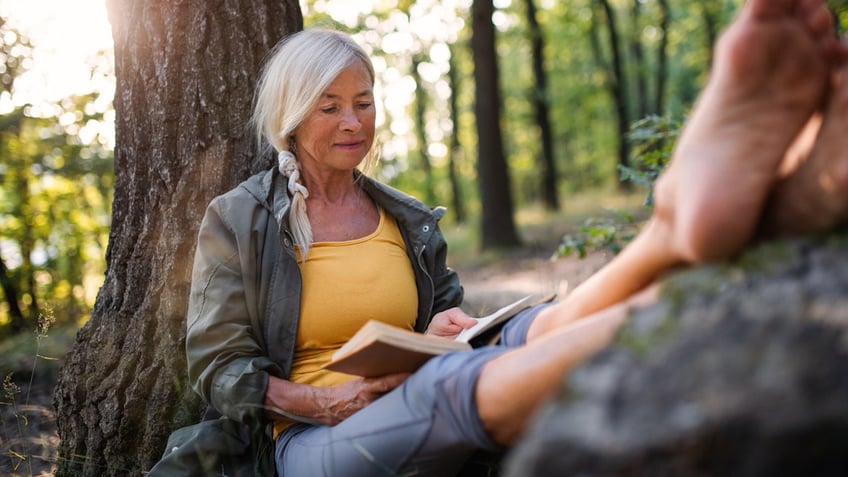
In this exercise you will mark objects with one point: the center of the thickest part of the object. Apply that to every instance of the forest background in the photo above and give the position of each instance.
(590, 95)
(585, 86)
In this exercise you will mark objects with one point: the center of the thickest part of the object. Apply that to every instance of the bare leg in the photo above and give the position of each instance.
(770, 75)
(533, 372)
(814, 196)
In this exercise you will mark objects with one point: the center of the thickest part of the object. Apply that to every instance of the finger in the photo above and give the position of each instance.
(460, 318)
(466, 322)
(390, 381)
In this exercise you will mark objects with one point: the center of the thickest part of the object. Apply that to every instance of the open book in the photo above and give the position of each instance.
(378, 349)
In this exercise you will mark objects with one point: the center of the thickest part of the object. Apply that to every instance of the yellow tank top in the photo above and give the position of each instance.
(345, 284)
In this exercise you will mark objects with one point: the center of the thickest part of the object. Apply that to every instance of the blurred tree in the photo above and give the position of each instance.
(420, 129)
(616, 82)
(548, 169)
(497, 223)
(661, 71)
(455, 148)
(639, 69)
(711, 11)
(185, 74)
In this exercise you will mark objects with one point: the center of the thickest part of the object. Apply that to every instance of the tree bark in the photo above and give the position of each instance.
(497, 225)
(186, 71)
(540, 103)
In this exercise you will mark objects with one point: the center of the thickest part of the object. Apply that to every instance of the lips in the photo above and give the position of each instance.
(350, 145)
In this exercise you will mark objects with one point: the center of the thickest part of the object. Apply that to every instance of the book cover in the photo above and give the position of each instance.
(378, 349)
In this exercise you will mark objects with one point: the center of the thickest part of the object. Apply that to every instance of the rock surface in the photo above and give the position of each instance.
(740, 370)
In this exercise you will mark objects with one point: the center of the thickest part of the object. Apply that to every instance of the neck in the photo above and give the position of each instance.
(332, 189)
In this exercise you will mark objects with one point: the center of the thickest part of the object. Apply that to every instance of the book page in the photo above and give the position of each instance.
(486, 322)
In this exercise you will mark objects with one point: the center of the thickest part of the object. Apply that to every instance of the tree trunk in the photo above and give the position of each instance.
(709, 15)
(618, 90)
(10, 291)
(186, 71)
(640, 68)
(497, 226)
(27, 270)
(421, 131)
(662, 57)
(540, 102)
(455, 150)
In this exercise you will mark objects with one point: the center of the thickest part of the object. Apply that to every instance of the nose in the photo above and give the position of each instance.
(350, 121)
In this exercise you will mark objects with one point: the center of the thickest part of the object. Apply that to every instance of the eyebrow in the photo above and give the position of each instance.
(366, 92)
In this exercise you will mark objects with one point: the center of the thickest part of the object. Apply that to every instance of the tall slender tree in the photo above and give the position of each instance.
(662, 56)
(455, 149)
(420, 107)
(497, 225)
(540, 104)
(186, 71)
(638, 65)
(710, 15)
(616, 81)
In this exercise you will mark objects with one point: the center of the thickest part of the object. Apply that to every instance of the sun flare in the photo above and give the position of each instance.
(67, 37)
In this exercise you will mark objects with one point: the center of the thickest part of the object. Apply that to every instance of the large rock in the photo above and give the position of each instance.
(741, 370)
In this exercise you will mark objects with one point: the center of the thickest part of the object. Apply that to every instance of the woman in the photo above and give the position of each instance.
(308, 253)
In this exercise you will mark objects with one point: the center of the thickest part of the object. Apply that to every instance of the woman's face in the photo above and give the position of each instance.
(338, 133)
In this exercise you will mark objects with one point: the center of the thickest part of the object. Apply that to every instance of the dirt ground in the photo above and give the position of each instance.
(29, 440)
(30, 429)
(490, 286)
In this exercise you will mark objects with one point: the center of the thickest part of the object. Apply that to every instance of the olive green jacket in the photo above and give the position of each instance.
(245, 295)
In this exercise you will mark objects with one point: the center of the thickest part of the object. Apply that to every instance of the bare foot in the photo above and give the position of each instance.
(770, 74)
(814, 195)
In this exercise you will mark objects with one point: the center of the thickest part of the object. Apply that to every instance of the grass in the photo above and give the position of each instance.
(29, 366)
(17, 352)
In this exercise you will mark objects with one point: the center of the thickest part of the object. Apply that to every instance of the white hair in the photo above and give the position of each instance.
(300, 68)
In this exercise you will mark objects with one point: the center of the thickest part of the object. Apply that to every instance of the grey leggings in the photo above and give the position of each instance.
(428, 426)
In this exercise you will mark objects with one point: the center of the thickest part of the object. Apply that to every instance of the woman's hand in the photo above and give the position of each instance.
(325, 405)
(449, 323)
(340, 402)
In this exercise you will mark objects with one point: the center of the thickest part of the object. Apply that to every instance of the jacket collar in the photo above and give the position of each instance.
(410, 213)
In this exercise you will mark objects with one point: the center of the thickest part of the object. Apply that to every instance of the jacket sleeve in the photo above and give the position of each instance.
(227, 364)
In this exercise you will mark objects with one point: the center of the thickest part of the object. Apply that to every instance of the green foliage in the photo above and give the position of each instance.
(56, 187)
(596, 234)
(653, 139)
